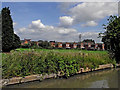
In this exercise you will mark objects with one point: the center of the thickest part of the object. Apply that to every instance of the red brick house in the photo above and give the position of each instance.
(25, 41)
(68, 45)
(59, 44)
(74, 45)
(52, 43)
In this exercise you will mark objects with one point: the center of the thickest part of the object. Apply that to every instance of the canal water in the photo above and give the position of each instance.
(98, 79)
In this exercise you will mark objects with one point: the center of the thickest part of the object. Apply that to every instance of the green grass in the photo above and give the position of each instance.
(62, 50)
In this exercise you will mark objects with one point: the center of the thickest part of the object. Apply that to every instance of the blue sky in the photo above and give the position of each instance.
(39, 20)
(24, 13)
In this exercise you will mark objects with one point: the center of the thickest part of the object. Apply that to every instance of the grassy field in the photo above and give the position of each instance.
(23, 62)
(62, 50)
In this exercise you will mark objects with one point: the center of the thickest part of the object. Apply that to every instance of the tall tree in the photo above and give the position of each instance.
(111, 37)
(0, 33)
(8, 36)
(16, 42)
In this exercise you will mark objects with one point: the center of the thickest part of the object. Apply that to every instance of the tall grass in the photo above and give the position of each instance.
(25, 63)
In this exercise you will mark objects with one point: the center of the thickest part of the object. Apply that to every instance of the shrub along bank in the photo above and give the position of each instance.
(26, 63)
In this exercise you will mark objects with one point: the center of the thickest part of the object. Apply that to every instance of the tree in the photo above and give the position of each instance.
(45, 44)
(9, 39)
(89, 41)
(16, 42)
(111, 37)
(0, 33)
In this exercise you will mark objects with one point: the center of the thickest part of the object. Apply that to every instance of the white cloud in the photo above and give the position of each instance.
(37, 24)
(89, 23)
(22, 30)
(91, 35)
(90, 13)
(66, 21)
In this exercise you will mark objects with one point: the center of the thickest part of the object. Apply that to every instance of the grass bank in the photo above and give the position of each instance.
(28, 62)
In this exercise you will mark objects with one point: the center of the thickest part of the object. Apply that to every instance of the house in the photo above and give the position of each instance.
(74, 45)
(68, 45)
(100, 46)
(52, 43)
(59, 44)
(25, 41)
(88, 44)
(103, 46)
(34, 43)
(82, 45)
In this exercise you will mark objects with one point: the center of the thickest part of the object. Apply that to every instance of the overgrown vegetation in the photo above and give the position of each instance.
(23, 63)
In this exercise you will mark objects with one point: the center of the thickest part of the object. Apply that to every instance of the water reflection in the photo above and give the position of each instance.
(98, 79)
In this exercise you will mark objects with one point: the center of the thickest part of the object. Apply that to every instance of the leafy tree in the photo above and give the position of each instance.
(44, 44)
(111, 37)
(88, 40)
(9, 39)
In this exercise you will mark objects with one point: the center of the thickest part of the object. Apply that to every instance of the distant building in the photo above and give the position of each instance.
(68, 45)
(60, 45)
(74, 45)
(87, 44)
(25, 41)
(52, 43)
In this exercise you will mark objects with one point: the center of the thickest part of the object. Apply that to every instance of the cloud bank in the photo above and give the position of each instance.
(38, 31)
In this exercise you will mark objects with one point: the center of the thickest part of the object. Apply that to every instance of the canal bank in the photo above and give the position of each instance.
(40, 77)
(107, 78)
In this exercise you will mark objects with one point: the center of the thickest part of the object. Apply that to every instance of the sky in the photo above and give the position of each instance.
(60, 21)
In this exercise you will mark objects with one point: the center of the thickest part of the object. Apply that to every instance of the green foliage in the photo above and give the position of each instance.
(23, 63)
(89, 40)
(9, 39)
(111, 37)
(7, 30)
(16, 42)
(44, 44)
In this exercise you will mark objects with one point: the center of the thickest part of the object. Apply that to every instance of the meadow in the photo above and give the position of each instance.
(24, 62)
